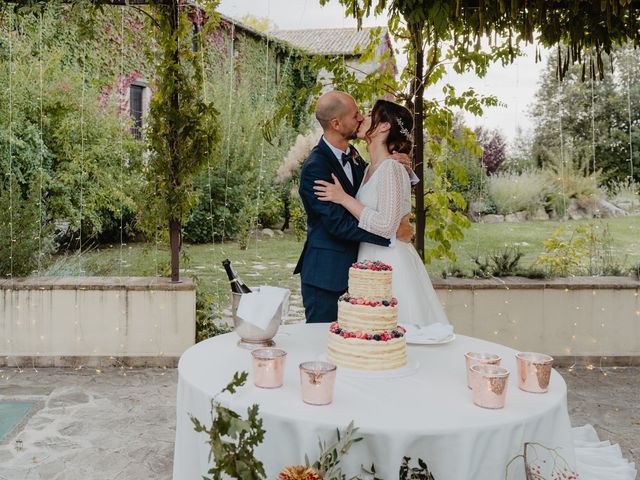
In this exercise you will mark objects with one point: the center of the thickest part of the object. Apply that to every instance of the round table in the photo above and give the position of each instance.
(428, 415)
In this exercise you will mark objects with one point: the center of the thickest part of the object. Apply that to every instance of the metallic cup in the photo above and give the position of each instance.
(489, 385)
(268, 367)
(534, 371)
(479, 358)
(317, 380)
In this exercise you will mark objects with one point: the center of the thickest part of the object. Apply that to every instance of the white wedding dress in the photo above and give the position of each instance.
(387, 198)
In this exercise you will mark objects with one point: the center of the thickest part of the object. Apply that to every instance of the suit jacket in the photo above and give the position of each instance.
(333, 235)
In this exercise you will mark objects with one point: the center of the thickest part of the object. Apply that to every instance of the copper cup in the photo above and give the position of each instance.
(534, 371)
(317, 380)
(268, 367)
(489, 385)
(479, 358)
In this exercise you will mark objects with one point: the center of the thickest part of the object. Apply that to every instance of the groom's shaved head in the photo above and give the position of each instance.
(331, 105)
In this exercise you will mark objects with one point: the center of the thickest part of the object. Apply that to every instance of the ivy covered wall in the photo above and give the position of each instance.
(68, 158)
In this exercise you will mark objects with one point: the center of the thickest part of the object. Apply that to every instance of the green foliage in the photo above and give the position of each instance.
(587, 123)
(25, 242)
(182, 125)
(568, 181)
(238, 188)
(331, 454)
(233, 439)
(499, 263)
(208, 313)
(77, 152)
(513, 192)
(587, 251)
(421, 472)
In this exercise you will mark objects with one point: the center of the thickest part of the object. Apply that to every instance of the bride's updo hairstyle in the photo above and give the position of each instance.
(401, 121)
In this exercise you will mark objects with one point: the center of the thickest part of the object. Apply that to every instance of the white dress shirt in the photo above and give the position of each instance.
(338, 153)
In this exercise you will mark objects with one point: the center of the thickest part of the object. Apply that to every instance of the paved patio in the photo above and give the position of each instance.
(119, 423)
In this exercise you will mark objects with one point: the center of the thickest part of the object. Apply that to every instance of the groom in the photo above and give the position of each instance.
(333, 235)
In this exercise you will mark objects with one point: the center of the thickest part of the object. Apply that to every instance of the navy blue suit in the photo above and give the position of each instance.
(333, 236)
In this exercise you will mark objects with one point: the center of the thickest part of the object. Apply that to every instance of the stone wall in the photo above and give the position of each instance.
(61, 321)
(566, 317)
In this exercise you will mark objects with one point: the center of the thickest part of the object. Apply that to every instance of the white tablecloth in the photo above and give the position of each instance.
(429, 415)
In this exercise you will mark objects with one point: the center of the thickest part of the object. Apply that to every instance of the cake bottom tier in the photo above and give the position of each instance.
(359, 354)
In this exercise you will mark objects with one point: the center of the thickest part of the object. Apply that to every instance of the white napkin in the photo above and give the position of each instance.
(259, 306)
(436, 332)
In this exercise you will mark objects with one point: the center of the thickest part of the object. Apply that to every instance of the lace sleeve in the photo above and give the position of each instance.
(394, 201)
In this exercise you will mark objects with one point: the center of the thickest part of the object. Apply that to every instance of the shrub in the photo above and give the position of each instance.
(500, 263)
(571, 182)
(513, 192)
(626, 191)
(20, 245)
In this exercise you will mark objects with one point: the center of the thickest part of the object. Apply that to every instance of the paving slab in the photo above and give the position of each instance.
(119, 424)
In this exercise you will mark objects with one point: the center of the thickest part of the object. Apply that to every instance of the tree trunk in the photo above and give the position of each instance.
(417, 90)
(174, 242)
(174, 223)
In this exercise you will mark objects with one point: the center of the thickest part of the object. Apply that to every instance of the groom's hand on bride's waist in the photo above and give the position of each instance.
(405, 230)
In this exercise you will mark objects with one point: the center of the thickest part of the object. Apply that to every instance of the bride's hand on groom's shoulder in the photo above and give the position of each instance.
(404, 160)
(405, 230)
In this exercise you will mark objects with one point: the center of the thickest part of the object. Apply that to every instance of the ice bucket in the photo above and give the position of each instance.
(251, 336)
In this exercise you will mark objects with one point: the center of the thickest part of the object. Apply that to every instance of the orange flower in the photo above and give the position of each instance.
(299, 472)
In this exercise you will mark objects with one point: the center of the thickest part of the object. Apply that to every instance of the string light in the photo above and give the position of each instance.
(229, 123)
(122, 127)
(11, 240)
(41, 147)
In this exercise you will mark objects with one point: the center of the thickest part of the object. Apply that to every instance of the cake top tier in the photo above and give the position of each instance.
(374, 265)
(370, 279)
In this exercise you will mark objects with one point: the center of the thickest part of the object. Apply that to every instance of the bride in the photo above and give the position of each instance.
(382, 200)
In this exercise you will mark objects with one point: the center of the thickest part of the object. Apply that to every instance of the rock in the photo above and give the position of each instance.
(609, 210)
(516, 217)
(573, 210)
(279, 232)
(492, 218)
(540, 214)
(268, 232)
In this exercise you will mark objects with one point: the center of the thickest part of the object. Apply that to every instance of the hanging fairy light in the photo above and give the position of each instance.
(229, 122)
(10, 173)
(261, 162)
(122, 127)
(593, 123)
(203, 45)
(562, 158)
(82, 136)
(40, 194)
(629, 112)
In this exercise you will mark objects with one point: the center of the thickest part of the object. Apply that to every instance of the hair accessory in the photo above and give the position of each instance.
(403, 129)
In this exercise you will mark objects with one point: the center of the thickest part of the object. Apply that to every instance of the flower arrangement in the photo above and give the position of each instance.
(299, 472)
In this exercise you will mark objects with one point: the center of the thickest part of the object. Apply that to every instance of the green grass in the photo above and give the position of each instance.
(271, 260)
(528, 237)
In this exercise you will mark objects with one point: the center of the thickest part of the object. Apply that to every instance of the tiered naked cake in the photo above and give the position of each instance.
(366, 335)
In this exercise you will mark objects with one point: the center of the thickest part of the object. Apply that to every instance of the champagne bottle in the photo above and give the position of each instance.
(237, 285)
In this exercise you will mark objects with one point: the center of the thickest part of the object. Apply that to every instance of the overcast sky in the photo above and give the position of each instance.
(514, 85)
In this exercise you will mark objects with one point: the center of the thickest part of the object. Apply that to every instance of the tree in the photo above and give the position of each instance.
(262, 24)
(426, 24)
(587, 123)
(494, 148)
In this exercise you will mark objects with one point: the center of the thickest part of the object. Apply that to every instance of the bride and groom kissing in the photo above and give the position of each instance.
(360, 212)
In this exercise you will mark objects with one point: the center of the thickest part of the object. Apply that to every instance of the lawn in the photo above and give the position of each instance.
(271, 260)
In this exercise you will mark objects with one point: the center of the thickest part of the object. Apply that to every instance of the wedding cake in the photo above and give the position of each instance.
(366, 335)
